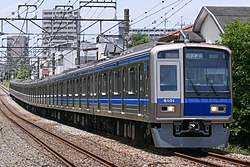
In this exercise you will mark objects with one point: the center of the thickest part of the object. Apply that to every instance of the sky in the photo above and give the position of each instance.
(143, 13)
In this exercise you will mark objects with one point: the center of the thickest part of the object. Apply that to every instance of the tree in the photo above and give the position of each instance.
(139, 38)
(237, 38)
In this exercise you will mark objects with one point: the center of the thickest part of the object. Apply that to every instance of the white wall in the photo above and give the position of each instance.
(209, 30)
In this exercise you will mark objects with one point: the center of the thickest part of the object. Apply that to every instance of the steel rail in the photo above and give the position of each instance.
(79, 149)
(229, 159)
(196, 160)
(51, 150)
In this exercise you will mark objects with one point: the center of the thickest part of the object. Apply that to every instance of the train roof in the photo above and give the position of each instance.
(131, 52)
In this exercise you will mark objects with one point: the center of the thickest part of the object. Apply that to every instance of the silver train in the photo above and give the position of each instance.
(175, 95)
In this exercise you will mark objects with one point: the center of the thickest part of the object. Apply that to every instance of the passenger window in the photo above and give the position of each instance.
(132, 80)
(84, 86)
(104, 83)
(95, 84)
(116, 83)
(168, 78)
(90, 86)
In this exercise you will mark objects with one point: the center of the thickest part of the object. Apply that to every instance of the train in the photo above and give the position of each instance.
(174, 95)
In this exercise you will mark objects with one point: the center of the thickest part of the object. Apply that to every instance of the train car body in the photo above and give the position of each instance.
(180, 94)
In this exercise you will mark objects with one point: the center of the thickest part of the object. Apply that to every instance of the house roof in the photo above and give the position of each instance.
(221, 16)
(174, 35)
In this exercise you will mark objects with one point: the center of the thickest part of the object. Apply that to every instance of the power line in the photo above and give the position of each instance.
(148, 11)
(165, 14)
(175, 12)
(155, 12)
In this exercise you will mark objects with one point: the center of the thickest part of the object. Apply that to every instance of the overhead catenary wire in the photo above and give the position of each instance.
(175, 12)
(166, 13)
(155, 12)
(147, 11)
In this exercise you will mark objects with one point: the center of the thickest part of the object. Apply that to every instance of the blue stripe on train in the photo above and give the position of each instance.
(201, 106)
(168, 100)
(143, 102)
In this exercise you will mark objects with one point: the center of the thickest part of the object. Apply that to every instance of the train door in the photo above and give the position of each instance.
(92, 92)
(143, 87)
(95, 91)
(115, 91)
(104, 101)
(84, 92)
(168, 84)
(131, 100)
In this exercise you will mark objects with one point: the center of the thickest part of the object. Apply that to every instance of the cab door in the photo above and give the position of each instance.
(168, 89)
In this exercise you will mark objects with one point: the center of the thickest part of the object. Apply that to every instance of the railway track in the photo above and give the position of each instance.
(207, 158)
(6, 91)
(45, 144)
(210, 158)
(235, 161)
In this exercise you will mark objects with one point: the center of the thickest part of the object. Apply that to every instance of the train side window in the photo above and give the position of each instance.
(84, 86)
(64, 87)
(132, 80)
(76, 87)
(91, 85)
(73, 87)
(95, 84)
(104, 84)
(116, 82)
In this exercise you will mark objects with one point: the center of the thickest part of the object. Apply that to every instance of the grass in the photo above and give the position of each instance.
(6, 84)
(236, 149)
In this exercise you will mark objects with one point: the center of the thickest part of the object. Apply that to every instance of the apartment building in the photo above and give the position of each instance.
(62, 31)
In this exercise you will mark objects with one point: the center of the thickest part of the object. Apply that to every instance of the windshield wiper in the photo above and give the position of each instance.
(210, 84)
(193, 86)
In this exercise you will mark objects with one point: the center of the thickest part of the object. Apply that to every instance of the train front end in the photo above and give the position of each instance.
(191, 91)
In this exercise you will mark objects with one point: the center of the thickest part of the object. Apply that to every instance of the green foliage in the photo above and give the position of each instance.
(17, 75)
(139, 38)
(25, 72)
(237, 38)
(22, 75)
(6, 76)
(236, 149)
(6, 83)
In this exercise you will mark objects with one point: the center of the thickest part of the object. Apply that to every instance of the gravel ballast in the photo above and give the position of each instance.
(17, 149)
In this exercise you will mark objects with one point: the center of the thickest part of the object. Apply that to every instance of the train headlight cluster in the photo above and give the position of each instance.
(218, 108)
(168, 108)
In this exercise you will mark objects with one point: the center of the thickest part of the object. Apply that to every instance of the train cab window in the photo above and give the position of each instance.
(168, 77)
(168, 54)
(132, 80)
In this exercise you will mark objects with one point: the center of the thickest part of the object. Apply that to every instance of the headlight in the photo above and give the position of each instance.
(168, 108)
(218, 108)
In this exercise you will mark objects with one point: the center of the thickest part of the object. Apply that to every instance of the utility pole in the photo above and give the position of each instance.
(78, 52)
(126, 28)
(53, 64)
(38, 67)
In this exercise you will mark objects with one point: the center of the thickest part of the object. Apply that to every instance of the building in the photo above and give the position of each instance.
(177, 35)
(153, 33)
(58, 32)
(17, 51)
(211, 20)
